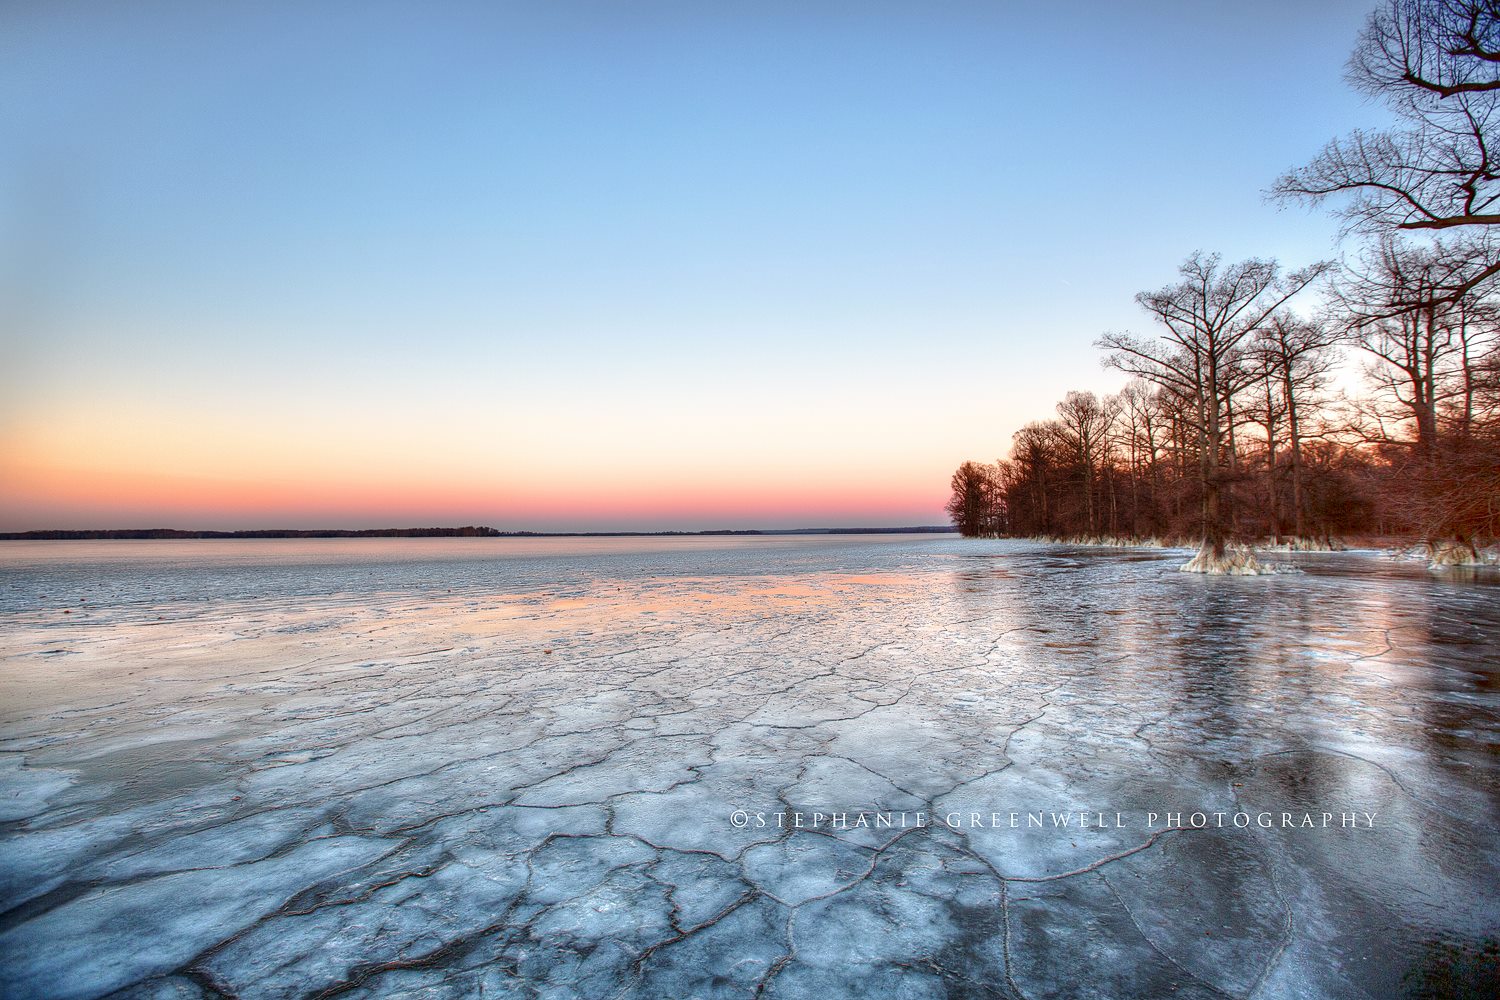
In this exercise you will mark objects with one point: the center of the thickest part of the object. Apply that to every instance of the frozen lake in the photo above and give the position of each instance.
(898, 766)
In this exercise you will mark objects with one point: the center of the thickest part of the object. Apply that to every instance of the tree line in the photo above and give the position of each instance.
(1230, 427)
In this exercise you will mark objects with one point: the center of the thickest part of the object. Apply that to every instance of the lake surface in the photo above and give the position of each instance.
(799, 766)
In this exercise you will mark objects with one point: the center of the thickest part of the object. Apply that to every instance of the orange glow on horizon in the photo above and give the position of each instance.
(40, 498)
(129, 465)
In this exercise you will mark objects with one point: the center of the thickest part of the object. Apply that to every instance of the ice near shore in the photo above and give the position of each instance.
(1235, 560)
(470, 767)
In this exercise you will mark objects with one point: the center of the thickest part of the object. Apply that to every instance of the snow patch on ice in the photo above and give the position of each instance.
(27, 789)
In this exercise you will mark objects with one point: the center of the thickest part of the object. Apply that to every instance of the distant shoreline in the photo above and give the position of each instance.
(470, 531)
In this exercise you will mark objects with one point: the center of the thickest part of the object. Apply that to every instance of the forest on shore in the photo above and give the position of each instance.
(1232, 428)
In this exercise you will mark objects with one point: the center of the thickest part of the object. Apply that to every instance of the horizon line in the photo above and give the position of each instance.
(464, 531)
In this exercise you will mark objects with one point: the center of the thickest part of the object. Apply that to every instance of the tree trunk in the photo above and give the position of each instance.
(1273, 505)
(1299, 526)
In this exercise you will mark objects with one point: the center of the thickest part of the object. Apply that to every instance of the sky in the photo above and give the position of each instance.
(584, 266)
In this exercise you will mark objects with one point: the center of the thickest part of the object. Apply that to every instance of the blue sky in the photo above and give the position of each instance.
(450, 255)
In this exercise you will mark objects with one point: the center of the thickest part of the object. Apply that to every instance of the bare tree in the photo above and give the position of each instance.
(1138, 428)
(1297, 358)
(976, 506)
(1209, 315)
(1032, 452)
(1409, 49)
(1413, 347)
(1085, 432)
(1428, 374)
(1436, 64)
(1267, 407)
(1484, 400)
(1476, 334)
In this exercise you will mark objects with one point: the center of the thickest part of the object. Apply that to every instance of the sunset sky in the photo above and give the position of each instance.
(605, 265)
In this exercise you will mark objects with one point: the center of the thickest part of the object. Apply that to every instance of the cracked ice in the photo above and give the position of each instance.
(431, 768)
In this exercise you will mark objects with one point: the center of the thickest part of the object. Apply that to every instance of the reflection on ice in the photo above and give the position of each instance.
(449, 767)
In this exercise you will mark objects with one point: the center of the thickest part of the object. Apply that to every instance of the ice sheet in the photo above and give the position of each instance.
(423, 768)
